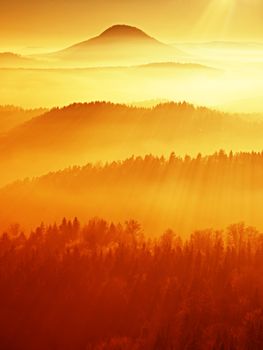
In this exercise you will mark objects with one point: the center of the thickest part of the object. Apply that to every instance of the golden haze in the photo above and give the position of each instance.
(135, 223)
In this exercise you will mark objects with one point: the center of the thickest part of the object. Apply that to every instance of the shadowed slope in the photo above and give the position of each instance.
(11, 116)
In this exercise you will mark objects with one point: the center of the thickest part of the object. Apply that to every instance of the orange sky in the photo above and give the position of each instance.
(58, 23)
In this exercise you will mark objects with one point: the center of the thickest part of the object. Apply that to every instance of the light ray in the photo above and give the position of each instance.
(216, 18)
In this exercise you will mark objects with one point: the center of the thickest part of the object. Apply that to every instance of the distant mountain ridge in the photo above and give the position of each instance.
(119, 44)
(101, 131)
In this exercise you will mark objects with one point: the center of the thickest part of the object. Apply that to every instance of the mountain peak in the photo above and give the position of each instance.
(123, 30)
(120, 44)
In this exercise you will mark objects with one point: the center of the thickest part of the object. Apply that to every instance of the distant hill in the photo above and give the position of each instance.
(123, 83)
(104, 131)
(178, 66)
(118, 33)
(12, 60)
(118, 45)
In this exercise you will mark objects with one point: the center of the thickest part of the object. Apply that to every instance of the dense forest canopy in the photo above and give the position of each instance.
(105, 286)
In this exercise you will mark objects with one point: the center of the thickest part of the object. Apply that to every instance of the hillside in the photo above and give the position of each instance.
(11, 116)
(184, 194)
(104, 131)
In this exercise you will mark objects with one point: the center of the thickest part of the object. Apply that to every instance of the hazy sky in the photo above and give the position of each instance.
(57, 23)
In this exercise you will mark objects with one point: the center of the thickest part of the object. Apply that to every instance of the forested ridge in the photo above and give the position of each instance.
(185, 193)
(100, 131)
(107, 286)
(97, 284)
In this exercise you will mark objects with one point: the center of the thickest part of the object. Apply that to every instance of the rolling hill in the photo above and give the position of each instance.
(13, 60)
(62, 86)
(103, 131)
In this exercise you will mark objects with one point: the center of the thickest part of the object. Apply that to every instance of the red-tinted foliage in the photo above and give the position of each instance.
(105, 286)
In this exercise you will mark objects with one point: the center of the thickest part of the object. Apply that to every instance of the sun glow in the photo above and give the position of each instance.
(131, 204)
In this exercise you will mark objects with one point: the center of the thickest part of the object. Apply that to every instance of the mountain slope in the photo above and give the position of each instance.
(119, 44)
(105, 131)
(119, 33)
(181, 193)
(11, 116)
